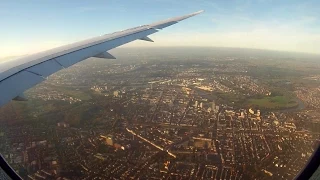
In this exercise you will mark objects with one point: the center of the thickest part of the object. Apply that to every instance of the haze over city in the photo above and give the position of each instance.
(32, 26)
(168, 113)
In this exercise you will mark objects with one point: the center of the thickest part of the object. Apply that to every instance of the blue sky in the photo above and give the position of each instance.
(28, 26)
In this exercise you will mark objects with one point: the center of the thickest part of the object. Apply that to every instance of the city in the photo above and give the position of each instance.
(178, 113)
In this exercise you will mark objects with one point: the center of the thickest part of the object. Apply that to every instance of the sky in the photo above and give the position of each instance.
(29, 26)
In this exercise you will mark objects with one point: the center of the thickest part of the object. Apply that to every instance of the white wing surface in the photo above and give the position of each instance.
(18, 75)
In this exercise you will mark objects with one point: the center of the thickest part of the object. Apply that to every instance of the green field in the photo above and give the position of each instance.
(273, 102)
(71, 91)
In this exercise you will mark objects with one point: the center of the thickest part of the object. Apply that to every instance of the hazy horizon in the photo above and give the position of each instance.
(247, 50)
(33, 26)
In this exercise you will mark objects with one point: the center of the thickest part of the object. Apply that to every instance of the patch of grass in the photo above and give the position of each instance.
(231, 99)
(273, 102)
(72, 92)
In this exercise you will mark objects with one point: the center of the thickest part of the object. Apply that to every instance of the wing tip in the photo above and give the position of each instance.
(198, 12)
(190, 15)
(170, 21)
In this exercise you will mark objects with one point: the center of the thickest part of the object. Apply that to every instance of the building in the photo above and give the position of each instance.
(251, 111)
(116, 93)
(110, 140)
(213, 105)
(258, 113)
(196, 104)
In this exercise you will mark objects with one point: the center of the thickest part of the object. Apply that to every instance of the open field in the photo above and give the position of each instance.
(275, 102)
(72, 91)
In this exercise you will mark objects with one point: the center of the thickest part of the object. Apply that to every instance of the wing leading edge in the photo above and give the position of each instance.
(21, 74)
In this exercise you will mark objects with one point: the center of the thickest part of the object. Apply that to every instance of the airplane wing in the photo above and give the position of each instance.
(18, 75)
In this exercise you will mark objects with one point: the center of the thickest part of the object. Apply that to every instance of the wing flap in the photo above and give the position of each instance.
(72, 58)
(14, 85)
(45, 69)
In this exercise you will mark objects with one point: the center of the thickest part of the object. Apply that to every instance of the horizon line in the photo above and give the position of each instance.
(182, 46)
